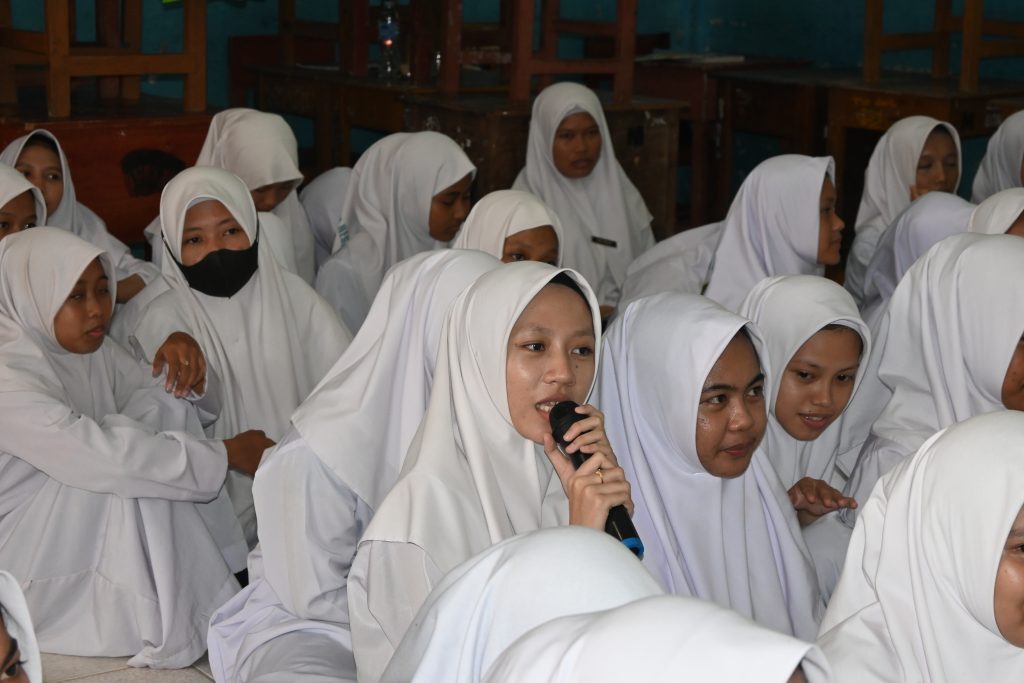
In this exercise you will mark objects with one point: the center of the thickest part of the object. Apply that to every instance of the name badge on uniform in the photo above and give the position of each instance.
(604, 242)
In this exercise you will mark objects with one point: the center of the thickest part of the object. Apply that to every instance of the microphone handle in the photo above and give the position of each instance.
(618, 525)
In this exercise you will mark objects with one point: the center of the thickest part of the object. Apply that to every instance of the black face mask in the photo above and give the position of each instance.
(223, 272)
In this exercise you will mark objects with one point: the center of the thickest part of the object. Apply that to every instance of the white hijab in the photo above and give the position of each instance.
(362, 417)
(736, 541)
(18, 623)
(486, 603)
(387, 212)
(929, 220)
(470, 479)
(1001, 166)
(952, 327)
(260, 148)
(500, 215)
(76, 217)
(892, 169)
(13, 183)
(661, 639)
(789, 310)
(772, 227)
(324, 199)
(995, 215)
(915, 602)
(605, 204)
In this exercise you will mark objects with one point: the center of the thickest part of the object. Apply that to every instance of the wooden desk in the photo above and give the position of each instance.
(786, 103)
(1008, 107)
(855, 106)
(694, 82)
(336, 103)
(494, 132)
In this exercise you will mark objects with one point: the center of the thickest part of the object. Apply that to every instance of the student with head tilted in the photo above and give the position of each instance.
(682, 385)
(1002, 167)
(21, 203)
(513, 226)
(266, 334)
(318, 489)
(1000, 214)
(917, 155)
(782, 222)
(114, 517)
(483, 466)
(40, 158)
(933, 586)
(571, 166)
(408, 193)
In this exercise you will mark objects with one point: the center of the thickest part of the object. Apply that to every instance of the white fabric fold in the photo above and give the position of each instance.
(18, 623)
(916, 600)
(324, 200)
(1003, 164)
(998, 213)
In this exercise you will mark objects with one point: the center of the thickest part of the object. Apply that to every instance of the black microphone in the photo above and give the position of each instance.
(563, 416)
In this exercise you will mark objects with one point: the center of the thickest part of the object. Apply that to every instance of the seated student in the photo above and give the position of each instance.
(324, 201)
(489, 601)
(316, 491)
(683, 390)
(266, 335)
(815, 341)
(513, 226)
(18, 648)
(932, 587)
(21, 203)
(1002, 213)
(409, 193)
(917, 155)
(484, 466)
(662, 639)
(782, 222)
(571, 167)
(1002, 167)
(113, 514)
(40, 158)
(927, 221)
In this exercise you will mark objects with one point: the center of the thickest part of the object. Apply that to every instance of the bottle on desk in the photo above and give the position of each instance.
(388, 34)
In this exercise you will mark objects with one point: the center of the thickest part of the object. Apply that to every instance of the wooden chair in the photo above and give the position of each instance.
(118, 53)
(524, 63)
(972, 25)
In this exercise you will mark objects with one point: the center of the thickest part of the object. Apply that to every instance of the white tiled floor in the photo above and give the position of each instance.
(60, 668)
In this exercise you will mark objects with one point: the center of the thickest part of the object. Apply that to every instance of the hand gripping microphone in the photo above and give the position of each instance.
(619, 525)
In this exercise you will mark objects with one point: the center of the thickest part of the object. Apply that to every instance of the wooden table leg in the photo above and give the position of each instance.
(58, 78)
(699, 192)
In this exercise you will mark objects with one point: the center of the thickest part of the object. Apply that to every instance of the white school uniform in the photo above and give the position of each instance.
(501, 214)
(486, 603)
(603, 205)
(682, 263)
(772, 227)
(789, 310)
(661, 639)
(324, 200)
(1000, 168)
(891, 172)
(998, 213)
(469, 479)
(269, 344)
(75, 217)
(735, 541)
(100, 517)
(18, 622)
(950, 330)
(387, 216)
(916, 599)
(927, 221)
(316, 491)
(14, 183)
